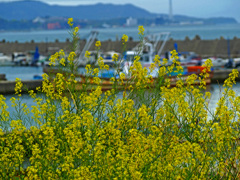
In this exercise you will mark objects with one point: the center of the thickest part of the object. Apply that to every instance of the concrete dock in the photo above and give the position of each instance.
(220, 75)
(7, 87)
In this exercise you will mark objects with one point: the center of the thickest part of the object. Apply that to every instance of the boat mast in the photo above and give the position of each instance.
(88, 44)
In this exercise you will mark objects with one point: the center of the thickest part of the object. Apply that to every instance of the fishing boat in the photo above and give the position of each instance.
(5, 60)
(152, 45)
(107, 57)
(95, 55)
(146, 51)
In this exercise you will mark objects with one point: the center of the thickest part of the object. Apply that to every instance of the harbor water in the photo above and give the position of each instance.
(27, 73)
(178, 32)
(22, 72)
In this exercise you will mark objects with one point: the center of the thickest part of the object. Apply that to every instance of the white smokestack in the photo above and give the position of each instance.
(170, 10)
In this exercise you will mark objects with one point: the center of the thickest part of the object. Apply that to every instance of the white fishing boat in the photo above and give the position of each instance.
(146, 58)
(236, 62)
(19, 58)
(92, 59)
(108, 57)
(189, 58)
(32, 60)
(217, 62)
(5, 60)
(151, 46)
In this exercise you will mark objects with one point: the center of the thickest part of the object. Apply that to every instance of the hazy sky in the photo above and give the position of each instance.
(196, 8)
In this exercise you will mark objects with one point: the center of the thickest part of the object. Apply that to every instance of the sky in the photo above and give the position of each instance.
(195, 8)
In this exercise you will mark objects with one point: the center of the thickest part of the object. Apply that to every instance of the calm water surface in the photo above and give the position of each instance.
(27, 73)
(178, 32)
(215, 89)
(22, 72)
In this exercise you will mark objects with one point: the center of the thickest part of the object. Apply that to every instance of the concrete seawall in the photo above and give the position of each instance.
(7, 87)
(220, 75)
(205, 48)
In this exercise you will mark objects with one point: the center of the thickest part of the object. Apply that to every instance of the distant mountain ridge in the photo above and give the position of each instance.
(30, 9)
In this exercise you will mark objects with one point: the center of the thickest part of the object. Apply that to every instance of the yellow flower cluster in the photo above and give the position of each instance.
(100, 63)
(53, 59)
(150, 131)
(98, 44)
(76, 29)
(3, 109)
(18, 87)
(232, 78)
(141, 30)
(139, 75)
(124, 38)
(71, 57)
(115, 57)
(87, 54)
(70, 20)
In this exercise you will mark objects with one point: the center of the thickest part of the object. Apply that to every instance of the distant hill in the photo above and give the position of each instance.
(27, 10)
(212, 20)
(21, 14)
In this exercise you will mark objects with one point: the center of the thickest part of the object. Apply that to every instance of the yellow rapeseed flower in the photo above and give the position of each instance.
(115, 57)
(96, 71)
(62, 61)
(142, 132)
(70, 20)
(76, 29)
(98, 44)
(124, 38)
(87, 54)
(54, 58)
(88, 68)
(122, 76)
(141, 30)
(101, 63)
(71, 57)
(96, 80)
(18, 87)
(112, 79)
(106, 67)
(61, 53)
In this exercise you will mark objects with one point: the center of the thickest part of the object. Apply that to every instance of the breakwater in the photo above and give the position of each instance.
(7, 87)
(220, 75)
(205, 48)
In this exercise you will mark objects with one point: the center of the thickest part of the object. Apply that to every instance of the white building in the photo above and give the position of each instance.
(131, 22)
(38, 20)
